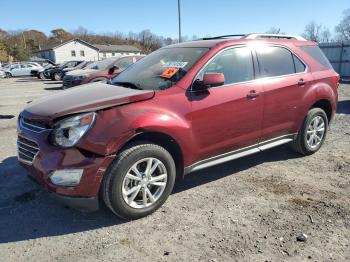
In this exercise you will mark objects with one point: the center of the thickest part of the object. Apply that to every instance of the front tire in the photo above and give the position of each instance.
(57, 76)
(139, 181)
(42, 76)
(312, 134)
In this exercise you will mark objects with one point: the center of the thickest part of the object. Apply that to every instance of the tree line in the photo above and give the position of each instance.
(321, 34)
(19, 45)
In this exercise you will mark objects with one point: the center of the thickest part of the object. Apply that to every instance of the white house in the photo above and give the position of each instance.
(77, 49)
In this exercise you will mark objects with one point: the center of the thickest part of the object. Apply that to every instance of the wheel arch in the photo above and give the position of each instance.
(326, 106)
(164, 140)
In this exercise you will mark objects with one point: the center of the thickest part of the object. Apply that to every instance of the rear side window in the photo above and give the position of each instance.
(275, 61)
(299, 66)
(316, 53)
(236, 64)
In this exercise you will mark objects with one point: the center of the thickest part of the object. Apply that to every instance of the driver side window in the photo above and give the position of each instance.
(236, 64)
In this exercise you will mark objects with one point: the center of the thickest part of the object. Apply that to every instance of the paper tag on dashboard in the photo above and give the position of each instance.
(176, 64)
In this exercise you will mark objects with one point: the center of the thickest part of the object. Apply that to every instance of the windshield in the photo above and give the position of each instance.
(82, 65)
(161, 69)
(100, 65)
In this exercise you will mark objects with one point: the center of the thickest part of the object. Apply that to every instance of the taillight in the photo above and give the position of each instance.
(335, 80)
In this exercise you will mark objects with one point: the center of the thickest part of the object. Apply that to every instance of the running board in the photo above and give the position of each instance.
(216, 160)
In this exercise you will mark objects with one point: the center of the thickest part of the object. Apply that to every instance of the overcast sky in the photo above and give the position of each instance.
(199, 17)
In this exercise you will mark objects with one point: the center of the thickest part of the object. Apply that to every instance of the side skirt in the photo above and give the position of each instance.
(219, 159)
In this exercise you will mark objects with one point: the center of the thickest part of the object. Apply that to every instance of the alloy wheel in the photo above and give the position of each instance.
(315, 132)
(144, 183)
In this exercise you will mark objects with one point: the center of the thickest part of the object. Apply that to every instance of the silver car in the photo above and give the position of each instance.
(21, 69)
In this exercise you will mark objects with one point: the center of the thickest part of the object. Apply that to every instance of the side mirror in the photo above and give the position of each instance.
(209, 80)
(112, 69)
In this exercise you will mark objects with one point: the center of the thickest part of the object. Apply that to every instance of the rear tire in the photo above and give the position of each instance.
(312, 133)
(151, 188)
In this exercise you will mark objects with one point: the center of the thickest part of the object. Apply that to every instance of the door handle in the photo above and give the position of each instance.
(252, 94)
(301, 82)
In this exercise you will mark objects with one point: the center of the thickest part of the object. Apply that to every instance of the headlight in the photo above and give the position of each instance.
(68, 132)
(78, 77)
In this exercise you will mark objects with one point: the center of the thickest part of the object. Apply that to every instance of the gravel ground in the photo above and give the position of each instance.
(251, 209)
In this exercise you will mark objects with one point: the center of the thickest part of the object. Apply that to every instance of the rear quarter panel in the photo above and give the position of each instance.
(321, 88)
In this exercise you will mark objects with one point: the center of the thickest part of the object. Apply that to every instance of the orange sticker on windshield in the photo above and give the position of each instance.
(169, 72)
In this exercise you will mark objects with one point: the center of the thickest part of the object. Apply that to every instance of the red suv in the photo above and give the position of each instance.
(182, 108)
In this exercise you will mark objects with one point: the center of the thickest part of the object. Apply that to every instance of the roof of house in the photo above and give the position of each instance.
(101, 48)
(52, 46)
(117, 48)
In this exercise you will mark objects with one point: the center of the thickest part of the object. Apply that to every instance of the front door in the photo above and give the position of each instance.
(228, 117)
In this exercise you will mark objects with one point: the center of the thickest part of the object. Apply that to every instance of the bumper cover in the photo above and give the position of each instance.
(43, 159)
(87, 204)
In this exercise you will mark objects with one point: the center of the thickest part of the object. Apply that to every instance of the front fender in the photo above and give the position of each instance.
(116, 126)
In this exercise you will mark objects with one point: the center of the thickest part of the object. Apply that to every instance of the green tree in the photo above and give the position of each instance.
(3, 52)
(60, 35)
(19, 53)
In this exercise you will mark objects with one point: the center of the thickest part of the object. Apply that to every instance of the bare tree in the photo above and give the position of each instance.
(343, 28)
(312, 31)
(168, 41)
(325, 36)
(317, 33)
(274, 30)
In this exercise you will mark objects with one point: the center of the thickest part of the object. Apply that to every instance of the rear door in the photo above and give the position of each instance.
(227, 117)
(284, 78)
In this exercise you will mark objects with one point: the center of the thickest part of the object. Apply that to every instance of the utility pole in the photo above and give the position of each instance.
(179, 14)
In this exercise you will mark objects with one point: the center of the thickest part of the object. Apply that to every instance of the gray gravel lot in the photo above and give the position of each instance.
(250, 209)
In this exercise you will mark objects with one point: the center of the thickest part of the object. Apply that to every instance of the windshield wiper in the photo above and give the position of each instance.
(128, 85)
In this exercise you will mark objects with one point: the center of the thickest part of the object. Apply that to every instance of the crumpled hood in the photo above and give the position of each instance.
(84, 98)
(79, 72)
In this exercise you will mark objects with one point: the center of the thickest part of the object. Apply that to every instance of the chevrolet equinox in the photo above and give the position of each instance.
(182, 108)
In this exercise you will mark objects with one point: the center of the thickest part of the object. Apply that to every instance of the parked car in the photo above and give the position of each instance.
(180, 109)
(39, 73)
(101, 71)
(43, 62)
(56, 73)
(82, 65)
(44, 75)
(2, 74)
(21, 69)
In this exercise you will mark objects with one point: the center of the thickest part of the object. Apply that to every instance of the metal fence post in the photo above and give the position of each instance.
(341, 58)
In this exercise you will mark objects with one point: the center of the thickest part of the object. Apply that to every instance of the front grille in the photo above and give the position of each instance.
(33, 125)
(70, 81)
(27, 150)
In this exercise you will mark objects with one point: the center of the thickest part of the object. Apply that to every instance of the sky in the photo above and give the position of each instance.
(199, 17)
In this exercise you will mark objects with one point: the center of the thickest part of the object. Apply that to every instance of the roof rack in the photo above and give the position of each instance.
(257, 36)
(276, 36)
(223, 36)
